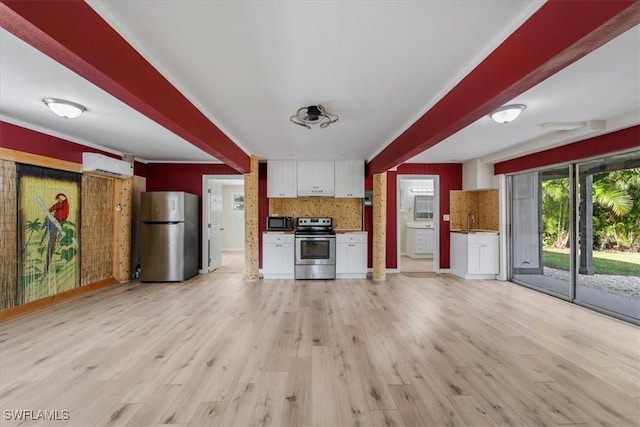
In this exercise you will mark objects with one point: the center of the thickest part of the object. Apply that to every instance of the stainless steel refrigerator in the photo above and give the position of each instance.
(168, 236)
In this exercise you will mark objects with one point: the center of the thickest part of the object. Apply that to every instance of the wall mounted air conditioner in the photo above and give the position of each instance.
(104, 165)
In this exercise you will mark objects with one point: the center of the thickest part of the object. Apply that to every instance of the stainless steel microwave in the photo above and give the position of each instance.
(279, 223)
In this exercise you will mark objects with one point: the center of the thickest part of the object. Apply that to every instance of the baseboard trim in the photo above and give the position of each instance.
(33, 306)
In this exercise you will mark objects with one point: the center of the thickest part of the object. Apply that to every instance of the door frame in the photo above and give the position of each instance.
(205, 214)
(436, 218)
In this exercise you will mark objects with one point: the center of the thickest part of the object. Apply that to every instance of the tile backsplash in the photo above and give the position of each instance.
(346, 213)
(482, 204)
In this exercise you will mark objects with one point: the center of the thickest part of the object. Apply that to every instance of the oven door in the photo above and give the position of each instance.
(315, 250)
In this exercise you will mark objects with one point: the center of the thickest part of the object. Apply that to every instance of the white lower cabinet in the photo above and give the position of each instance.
(351, 256)
(419, 242)
(278, 256)
(475, 255)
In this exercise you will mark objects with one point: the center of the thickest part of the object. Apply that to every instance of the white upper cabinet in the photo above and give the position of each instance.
(349, 178)
(281, 178)
(315, 178)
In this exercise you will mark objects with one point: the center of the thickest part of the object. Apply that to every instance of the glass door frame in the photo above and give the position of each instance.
(572, 235)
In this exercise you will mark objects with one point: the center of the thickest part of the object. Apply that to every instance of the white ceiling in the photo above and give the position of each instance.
(379, 65)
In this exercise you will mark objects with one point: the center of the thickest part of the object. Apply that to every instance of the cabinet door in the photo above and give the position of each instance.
(270, 262)
(489, 259)
(358, 258)
(315, 178)
(325, 177)
(281, 178)
(483, 258)
(474, 259)
(428, 241)
(342, 257)
(349, 178)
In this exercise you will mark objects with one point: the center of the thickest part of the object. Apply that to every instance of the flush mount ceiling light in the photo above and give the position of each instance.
(66, 109)
(507, 113)
(313, 115)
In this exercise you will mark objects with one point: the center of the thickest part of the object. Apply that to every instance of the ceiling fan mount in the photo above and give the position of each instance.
(312, 115)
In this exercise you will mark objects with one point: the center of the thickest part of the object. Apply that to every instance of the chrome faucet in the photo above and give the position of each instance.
(470, 221)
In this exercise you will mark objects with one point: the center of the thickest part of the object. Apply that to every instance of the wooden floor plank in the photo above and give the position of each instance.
(209, 414)
(271, 398)
(324, 391)
(298, 406)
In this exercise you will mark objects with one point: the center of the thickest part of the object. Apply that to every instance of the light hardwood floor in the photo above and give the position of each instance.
(217, 350)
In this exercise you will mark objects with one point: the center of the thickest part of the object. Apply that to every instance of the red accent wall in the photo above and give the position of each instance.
(30, 141)
(263, 207)
(183, 176)
(450, 175)
(616, 141)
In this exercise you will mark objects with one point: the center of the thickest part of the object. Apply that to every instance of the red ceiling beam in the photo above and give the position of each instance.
(625, 139)
(73, 34)
(558, 34)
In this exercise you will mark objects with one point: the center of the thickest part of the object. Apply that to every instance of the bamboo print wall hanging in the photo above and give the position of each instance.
(48, 232)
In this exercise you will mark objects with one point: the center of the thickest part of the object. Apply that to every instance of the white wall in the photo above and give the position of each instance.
(232, 222)
(477, 175)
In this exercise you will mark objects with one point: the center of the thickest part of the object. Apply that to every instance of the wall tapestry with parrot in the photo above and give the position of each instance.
(48, 237)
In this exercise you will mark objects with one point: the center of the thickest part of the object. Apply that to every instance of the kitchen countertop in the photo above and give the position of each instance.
(475, 231)
(338, 231)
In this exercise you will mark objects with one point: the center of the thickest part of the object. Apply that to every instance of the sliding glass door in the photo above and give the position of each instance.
(608, 226)
(540, 230)
(575, 233)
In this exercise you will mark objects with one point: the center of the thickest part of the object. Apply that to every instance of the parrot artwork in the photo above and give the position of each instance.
(60, 212)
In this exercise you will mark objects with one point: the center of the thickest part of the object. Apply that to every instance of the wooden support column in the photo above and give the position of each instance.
(251, 232)
(122, 205)
(379, 226)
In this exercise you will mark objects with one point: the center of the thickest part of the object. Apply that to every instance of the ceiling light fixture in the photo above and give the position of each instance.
(312, 115)
(66, 109)
(507, 113)
(422, 190)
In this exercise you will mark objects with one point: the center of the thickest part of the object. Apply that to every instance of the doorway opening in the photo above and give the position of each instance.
(418, 226)
(223, 224)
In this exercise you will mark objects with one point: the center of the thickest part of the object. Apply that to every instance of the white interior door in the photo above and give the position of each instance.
(215, 225)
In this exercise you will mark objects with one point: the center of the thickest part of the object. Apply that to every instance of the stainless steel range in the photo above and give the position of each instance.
(315, 249)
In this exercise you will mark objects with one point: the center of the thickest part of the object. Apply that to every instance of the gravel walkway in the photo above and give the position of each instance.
(627, 286)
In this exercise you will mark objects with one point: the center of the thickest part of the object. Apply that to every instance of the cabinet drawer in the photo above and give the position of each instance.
(421, 249)
(351, 238)
(277, 238)
(483, 239)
